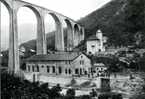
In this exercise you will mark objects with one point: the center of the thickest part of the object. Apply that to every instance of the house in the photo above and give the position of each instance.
(100, 70)
(95, 43)
(60, 63)
(100, 67)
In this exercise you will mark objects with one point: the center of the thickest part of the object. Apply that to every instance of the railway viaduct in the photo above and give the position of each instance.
(75, 31)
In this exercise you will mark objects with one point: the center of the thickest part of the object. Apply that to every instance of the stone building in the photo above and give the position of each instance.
(95, 43)
(100, 70)
(60, 63)
(100, 67)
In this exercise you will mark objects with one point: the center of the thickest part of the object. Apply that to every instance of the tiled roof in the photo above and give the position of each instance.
(93, 37)
(55, 57)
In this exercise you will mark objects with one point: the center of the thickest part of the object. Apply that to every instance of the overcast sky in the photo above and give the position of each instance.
(74, 9)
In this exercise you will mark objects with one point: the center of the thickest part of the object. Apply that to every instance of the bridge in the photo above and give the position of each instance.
(75, 31)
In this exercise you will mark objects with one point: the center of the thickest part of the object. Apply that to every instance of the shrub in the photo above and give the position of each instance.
(70, 94)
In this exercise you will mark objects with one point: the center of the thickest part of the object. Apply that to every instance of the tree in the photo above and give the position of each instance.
(70, 94)
(135, 15)
(93, 93)
(55, 91)
(135, 19)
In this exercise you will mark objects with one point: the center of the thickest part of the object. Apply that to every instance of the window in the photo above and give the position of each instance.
(85, 72)
(66, 71)
(93, 46)
(69, 71)
(53, 69)
(42, 66)
(90, 52)
(80, 71)
(59, 70)
(28, 67)
(37, 68)
(82, 62)
(47, 69)
(33, 68)
(76, 71)
(99, 50)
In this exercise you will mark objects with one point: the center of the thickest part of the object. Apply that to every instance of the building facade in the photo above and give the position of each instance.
(100, 70)
(63, 64)
(95, 43)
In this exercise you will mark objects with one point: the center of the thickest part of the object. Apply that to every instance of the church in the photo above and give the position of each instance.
(95, 43)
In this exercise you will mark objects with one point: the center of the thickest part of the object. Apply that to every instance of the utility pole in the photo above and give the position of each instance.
(0, 35)
(0, 50)
(0, 31)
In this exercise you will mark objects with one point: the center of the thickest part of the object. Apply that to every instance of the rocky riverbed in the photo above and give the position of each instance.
(129, 86)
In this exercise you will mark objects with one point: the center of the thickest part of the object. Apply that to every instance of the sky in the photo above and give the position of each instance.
(74, 9)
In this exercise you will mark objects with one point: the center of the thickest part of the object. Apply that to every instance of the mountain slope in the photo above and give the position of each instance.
(112, 20)
(105, 18)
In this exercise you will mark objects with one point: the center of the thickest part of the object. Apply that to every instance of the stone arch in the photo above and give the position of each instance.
(38, 16)
(76, 34)
(4, 27)
(27, 25)
(69, 35)
(40, 42)
(59, 38)
(23, 20)
(9, 12)
(50, 29)
(7, 6)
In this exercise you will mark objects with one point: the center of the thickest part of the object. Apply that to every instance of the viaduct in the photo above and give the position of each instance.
(75, 32)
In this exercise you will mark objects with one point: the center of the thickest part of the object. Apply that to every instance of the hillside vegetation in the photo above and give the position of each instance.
(122, 21)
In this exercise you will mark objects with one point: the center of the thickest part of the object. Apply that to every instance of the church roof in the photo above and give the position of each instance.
(55, 57)
(93, 37)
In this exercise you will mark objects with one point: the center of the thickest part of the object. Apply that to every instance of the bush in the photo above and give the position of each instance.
(70, 94)
(55, 92)
(15, 88)
(84, 97)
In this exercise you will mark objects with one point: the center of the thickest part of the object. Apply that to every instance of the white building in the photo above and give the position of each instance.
(100, 67)
(100, 70)
(95, 43)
